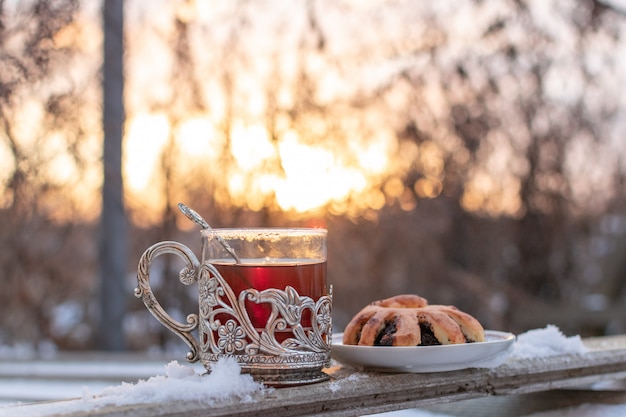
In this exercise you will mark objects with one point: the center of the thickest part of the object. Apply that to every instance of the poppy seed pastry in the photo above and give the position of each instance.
(408, 320)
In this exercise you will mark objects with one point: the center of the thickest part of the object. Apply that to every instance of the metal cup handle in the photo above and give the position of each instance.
(188, 275)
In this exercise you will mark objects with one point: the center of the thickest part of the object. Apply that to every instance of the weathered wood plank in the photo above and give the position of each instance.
(351, 393)
(526, 404)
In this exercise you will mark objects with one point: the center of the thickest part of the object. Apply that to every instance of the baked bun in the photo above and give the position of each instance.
(408, 320)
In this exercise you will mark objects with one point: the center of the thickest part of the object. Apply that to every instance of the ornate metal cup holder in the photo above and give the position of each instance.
(225, 328)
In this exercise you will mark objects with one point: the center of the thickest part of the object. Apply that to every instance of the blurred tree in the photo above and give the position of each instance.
(37, 40)
(113, 229)
(44, 151)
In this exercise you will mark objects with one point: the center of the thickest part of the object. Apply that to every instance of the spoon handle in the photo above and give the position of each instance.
(193, 216)
(197, 219)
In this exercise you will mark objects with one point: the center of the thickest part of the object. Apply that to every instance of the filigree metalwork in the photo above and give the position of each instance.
(228, 329)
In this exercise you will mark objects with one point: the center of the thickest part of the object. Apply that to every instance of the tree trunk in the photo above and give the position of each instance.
(113, 244)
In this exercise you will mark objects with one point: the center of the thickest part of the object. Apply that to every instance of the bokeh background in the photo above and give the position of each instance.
(470, 151)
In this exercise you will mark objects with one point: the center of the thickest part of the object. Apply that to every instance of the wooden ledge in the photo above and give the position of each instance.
(353, 393)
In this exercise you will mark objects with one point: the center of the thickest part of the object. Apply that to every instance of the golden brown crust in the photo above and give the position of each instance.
(364, 322)
(402, 301)
(403, 319)
(352, 333)
(446, 331)
(371, 327)
(407, 329)
(471, 328)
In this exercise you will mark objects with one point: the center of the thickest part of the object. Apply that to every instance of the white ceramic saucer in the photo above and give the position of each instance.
(422, 358)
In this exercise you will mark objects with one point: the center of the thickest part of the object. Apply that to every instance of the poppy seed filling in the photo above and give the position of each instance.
(428, 337)
(385, 336)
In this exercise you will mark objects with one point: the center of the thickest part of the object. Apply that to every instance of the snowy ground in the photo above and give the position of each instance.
(64, 377)
(96, 380)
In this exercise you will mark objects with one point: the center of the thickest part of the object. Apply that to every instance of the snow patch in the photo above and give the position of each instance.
(546, 342)
(180, 383)
(538, 343)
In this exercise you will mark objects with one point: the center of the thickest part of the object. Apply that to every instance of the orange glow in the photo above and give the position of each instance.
(394, 187)
(288, 172)
(198, 140)
(251, 147)
(428, 187)
(483, 194)
(407, 200)
(431, 159)
(146, 135)
(313, 176)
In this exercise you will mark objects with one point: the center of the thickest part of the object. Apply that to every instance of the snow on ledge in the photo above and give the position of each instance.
(183, 383)
(180, 383)
(538, 343)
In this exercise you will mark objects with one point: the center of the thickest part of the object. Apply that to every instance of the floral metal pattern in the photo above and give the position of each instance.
(231, 337)
(307, 346)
